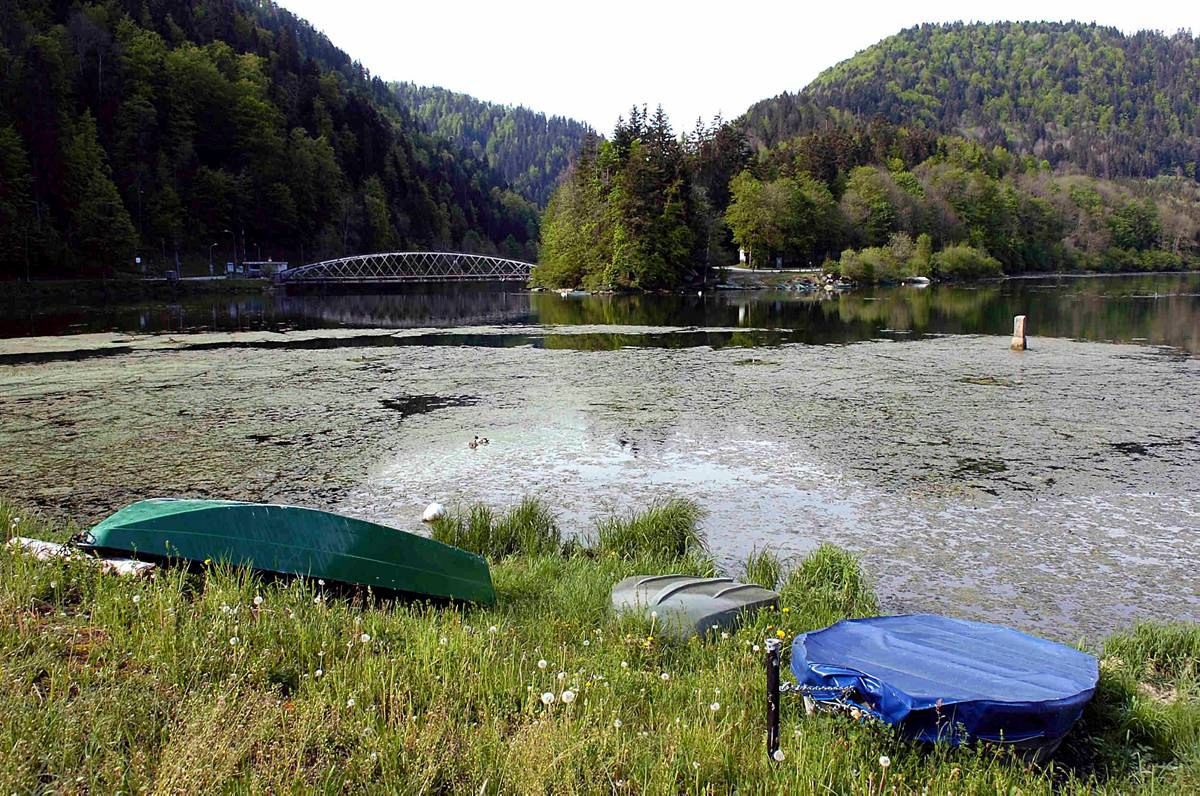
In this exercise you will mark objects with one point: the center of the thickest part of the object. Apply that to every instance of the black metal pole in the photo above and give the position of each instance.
(772, 697)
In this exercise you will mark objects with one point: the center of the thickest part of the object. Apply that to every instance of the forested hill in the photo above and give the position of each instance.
(1073, 94)
(176, 130)
(529, 149)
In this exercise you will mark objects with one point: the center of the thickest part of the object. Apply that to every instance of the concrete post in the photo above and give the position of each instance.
(1018, 338)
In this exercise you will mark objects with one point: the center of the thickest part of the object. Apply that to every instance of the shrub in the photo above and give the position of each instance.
(667, 528)
(965, 262)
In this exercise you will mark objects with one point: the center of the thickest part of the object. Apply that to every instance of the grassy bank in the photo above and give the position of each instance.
(218, 680)
(122, 289)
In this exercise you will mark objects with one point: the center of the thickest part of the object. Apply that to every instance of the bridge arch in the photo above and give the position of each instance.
(401, 267)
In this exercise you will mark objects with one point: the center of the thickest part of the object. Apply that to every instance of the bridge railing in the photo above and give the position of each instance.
(409, 267)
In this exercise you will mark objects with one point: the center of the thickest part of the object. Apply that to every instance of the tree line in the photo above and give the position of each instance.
(872, 201)
(1080, 96)
(530, 150)
(182, 131)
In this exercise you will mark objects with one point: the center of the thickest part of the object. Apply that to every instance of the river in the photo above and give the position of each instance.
(1053, 489)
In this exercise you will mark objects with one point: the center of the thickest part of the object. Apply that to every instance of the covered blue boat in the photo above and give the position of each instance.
(942, 679)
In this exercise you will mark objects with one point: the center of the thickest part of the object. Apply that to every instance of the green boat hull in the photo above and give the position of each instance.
(295, 541)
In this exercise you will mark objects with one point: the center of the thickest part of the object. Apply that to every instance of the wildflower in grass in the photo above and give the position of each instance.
(318, 673)
(665, 677)
(137, 598)
(54, 584)
(778, 755)
(654, 614)
(542, 664)
(724, 635)
(780, 634)
(443, 641)
(562, 675)
(320, 581)
(365, 638)
(568, 697)
(493, 629)
(317, 600)
(884, 761)
(617, 723)
(786, 610)
(547, 697)
(587, 643)
(350, 702)
(233, 641)
(258, 600)
(756, 648)
(696, 764)
(714, 707)
(624, 664)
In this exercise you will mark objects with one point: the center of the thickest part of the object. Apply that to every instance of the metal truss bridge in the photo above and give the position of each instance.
(401, 267)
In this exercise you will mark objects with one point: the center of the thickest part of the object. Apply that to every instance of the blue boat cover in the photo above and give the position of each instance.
(950, 679)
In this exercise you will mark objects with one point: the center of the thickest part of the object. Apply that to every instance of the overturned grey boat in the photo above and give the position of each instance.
(685, 605)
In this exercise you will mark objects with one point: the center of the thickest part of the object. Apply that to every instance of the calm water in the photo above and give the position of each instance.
(1155, 309)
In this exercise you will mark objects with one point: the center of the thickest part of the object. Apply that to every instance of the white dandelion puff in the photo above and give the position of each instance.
(884, 761)
(350, 702)
(365, 638)
(548, 698)
(562, 675)
(568, 697)
(587, 643)
(137, 598)
(714, 707)
(258, 600)
(665, 677)
(777, 755)
(617, 723)
(233, 642)
(542, 664)
(493, 629)
(318, 673)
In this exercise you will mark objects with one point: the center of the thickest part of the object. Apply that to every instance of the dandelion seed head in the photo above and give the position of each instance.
(542, 664)
(443, 641)
(137, 598)
(562, 675)
(884, 761)
(665, 677)
(624, 664)
(654, 614)
(714, 707)
(547, 697)
(350, 702)
(493, 629)
(233, 641)
(724, 635)
(756, 648)
(320, 581)
(617, 723)
(587, 643)
(258, 599)
(54, 584)
(568, 697)
(318, 673)
(778, 755)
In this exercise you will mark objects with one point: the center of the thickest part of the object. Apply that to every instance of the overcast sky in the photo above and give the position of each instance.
(592, 61)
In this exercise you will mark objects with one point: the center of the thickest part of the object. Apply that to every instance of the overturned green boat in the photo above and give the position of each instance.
(294, 541)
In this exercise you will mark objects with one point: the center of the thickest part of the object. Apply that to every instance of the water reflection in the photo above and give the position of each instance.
(1158, 309)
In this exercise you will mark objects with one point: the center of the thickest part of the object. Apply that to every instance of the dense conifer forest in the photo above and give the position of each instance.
(529, 149)
(175, 131)
(1076, 95)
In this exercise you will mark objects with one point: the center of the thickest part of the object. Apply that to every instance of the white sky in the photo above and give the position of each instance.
(592, 61)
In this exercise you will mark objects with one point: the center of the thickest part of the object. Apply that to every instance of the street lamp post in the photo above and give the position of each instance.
(210, 262)
(233, 238)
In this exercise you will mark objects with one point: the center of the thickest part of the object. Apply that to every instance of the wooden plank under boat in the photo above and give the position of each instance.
(294, 541)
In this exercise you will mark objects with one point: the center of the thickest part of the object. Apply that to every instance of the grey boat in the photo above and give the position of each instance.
(684, 605)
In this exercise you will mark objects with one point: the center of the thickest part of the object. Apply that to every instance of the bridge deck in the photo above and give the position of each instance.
(401, 267)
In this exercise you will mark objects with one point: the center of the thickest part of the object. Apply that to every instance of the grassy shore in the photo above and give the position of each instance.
(199, 682)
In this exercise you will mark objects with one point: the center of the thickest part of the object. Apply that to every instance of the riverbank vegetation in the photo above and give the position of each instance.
(218, 680)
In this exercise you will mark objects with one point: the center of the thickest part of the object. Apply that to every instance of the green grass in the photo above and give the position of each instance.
(110, 685)
(669, 528)
(529, 528)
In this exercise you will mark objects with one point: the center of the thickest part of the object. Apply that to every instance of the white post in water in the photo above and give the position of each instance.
(1018, 338)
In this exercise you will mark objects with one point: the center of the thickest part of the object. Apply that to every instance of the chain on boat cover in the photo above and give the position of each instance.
(950, 679)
